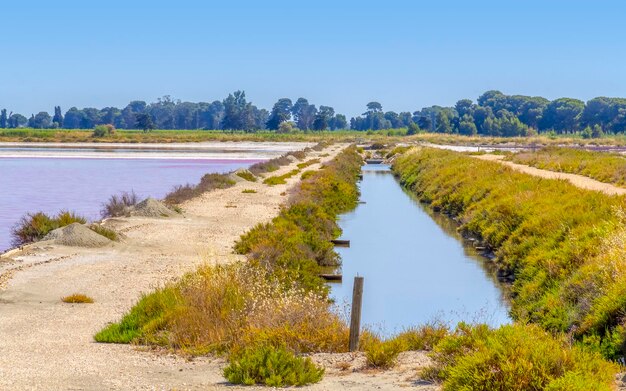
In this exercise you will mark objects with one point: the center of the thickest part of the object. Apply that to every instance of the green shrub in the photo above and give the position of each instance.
(383, 354)
(207, 183)
(308, 163)
(35, 226)
(247, 175)
(274, 367)
(119, 204)
(103, 130)
(248, 191)
(106, 232)
(77, 298)
(280, 180)
(517, 358)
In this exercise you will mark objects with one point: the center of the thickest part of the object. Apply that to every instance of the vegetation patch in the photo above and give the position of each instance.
(274, 367)
(280, 180)
(308, 163)
(247, 175)
(106, 232)
(265, 312)
(35, 226)
(119, 205)
(564, 247)
(517, 358)
(248, 191)
(207, 183)
(77, 298)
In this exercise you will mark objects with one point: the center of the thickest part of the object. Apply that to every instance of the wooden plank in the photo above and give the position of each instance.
(340, 242)
(332, 277)
(355, 314)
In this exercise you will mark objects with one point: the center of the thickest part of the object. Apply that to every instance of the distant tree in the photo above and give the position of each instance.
(337, 122)
(412, 129)
(562, 115)
(239, 114)
(285, 127)
(58, 116)
(303, 113)
(17, 121)
(323, 117)
(443, 123)
(4, 119)
(129, 113)
(467, 126)
(280, 113)
(374, 107)
(464, 107)
(424, 122)
(144, 122)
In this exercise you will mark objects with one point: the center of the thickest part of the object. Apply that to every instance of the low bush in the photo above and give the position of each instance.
(382, 354)
(77, 298)
(207, 183)
(35, 226)
(247, 175)
(248, 191)
(119, 205)
(280, 180)
(228, 308)
(103, 130)
(274, 367)
(106, 232)
(517, 358)
(308, 163)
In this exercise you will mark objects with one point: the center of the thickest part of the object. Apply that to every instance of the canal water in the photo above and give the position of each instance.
(415, 265)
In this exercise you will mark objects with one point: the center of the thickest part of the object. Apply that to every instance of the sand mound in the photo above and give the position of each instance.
(77, 235)
(152, 208)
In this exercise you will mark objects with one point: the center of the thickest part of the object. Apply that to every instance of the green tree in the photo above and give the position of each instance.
(443, 123)
(280, 113)
(144, 122)
(412, 129)
(304, 113)
(58, 116)
(323, 117)
(4, 119)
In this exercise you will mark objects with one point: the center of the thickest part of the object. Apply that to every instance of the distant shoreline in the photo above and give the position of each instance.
(178, 151)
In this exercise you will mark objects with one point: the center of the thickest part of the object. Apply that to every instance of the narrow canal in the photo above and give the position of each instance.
(416, 266)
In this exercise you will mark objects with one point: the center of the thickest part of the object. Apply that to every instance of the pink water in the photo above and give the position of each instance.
(82, 185)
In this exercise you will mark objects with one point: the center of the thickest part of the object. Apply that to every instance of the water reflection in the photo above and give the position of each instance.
(415, 264)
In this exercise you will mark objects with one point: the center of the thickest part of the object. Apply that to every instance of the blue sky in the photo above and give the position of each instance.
(404, 54)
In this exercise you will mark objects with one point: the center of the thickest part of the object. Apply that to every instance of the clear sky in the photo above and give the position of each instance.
(404, 54)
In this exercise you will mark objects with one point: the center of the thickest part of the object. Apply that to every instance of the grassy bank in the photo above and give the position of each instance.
(604, 167)
(180, 136)
(263, 312)
(563, 246)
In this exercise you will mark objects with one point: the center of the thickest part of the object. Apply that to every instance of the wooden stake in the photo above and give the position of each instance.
(355, 315)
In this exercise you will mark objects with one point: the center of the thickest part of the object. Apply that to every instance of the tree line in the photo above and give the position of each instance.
(493, 114)
(234, 112)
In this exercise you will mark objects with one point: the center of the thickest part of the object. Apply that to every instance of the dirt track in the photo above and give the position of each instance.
(577, 180)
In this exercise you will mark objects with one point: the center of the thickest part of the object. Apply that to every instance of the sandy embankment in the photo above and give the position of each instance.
(46, 344)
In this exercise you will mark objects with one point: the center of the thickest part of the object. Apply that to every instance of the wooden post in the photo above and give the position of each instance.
(355, 315)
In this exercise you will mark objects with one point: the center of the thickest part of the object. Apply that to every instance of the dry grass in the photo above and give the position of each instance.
(77, 298)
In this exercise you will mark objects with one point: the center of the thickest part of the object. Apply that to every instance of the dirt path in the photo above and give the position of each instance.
(46, 344)
(577, 180)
